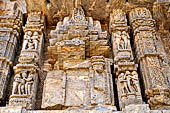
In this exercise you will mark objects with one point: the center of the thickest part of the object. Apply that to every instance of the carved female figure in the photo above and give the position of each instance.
(123, 84)
(29, 83)
(16, 84)
(35, 39)
(27, 38)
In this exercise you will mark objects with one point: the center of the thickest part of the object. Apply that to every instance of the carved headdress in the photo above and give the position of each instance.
(98, 60)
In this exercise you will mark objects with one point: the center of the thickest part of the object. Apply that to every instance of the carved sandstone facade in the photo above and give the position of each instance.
(84, 56)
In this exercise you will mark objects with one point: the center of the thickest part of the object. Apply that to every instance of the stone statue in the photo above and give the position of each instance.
(31, 45)
(29, 83)
(35, 39)
(16, 84)
(126, 38)
(118, 37)
(121, 44)
(99, 80)
(27, 37)
(99, 75)
(135, 82)
(129, 82)
(23, 82)
(123, 83)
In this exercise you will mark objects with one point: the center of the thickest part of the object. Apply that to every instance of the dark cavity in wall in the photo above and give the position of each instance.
(142, 86)
(115, 88)
(48, 1)
(107, 1)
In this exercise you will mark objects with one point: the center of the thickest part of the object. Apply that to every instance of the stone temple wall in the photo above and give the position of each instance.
(84, 56)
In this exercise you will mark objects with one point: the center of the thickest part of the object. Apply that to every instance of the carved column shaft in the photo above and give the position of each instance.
(27, 70)
(10, 29)
(125, 69)
(151, 57)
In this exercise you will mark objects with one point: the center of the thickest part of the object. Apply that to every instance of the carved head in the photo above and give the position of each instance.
(36, 33)
(24, 74)
(134, 73)
(128, 73)
(121, 75)
(98, 67)
(98, 63)
(124, 33)
(17, 76)
(29, 33)
(119, 32)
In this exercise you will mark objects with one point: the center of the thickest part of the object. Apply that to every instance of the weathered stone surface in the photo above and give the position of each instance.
(9, 109)
(54, 90)
(99, 56)
(27, 70)
(10, 31)
(88, 81)
(149, 56)
(125, 68)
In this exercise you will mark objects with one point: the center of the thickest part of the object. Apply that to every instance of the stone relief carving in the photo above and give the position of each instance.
(79, 74)
(23, 83)
(10, 30)
(155, 75)
(72, 50)
(124, 67)
(27, 70)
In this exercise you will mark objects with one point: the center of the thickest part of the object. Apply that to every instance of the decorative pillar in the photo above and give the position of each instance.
(125, 69)
(10, 30)
(27, 71)
(151, 58)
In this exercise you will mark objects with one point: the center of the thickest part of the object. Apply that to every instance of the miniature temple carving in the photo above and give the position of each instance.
(79, 64)
(11, 20)
(84, 56)
(150, 55)
(28, 69)
(125, 68)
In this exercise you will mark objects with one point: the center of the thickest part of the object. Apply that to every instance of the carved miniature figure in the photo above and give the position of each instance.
(98, 68)
(27, 38)
(135, 82)
(123, 83)
(31, 45)
(29, 83)
(126, 38)
(35, 39)
(129, 82)
(16, 84)
(23, 82)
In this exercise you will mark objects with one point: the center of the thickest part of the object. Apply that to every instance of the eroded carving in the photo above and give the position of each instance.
(124, 67)
(149, 55)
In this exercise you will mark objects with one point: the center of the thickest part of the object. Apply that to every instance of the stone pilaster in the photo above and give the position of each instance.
(27, 71)
(125, 69)
(151, 58)
(10, 30)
